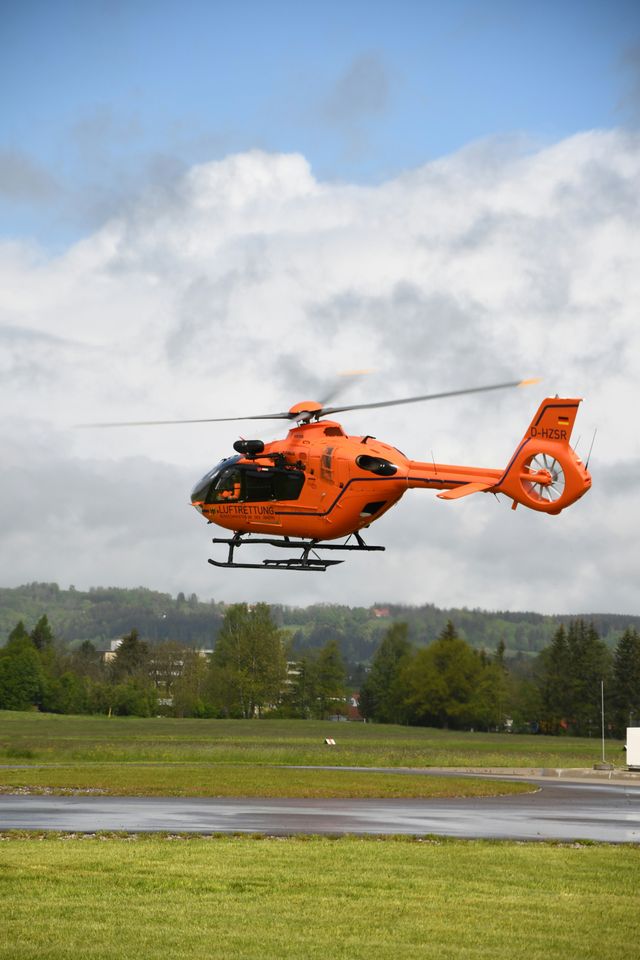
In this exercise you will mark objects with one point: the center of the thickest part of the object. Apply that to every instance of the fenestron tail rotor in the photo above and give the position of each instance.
(543, 477)
(308, 410)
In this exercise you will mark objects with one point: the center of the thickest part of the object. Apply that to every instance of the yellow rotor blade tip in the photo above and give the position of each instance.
(530, 381)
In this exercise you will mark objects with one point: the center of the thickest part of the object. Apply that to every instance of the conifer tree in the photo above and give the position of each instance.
(42, 634)
(554, 674)
(18, 636)
(131, 659)
(301, 695)
(572, 669)
(590, 663)
(626, 681)
(331, 677)
(381, 694)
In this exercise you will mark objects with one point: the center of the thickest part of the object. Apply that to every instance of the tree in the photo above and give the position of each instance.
(42, 634)
(440, 681)
(131, 659)
(43, 640)
(87, 662)
(331, 677)
(133, 698)
(626, 681)
(16, 638)
(21, 674)
(248, 666)
(591, 664)
(571, 671)
(488, 704)
(555, 663)
(316, 684)
(189, 697)
(381, 694)
(301, 696)
(166, 664)
(66, 694)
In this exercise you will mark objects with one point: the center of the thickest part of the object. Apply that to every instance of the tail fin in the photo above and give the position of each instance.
(554, 420)
(544, 473)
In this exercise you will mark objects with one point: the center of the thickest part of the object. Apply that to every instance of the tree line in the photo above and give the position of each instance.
(248, 675)
(450, 684)
(254, 672)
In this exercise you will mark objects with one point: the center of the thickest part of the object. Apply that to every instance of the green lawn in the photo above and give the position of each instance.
(256, 758)
(241, 780)
(53, 738)
(242, 898)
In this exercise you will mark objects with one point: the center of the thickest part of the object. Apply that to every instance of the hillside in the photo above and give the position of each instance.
(101, 614)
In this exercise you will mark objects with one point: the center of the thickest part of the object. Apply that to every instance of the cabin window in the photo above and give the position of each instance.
(326, 463)
(287, 484)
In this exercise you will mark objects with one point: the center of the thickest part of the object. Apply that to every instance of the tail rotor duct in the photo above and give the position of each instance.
(543, 478)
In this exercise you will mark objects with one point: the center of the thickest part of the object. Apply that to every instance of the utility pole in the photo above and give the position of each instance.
(602, 706)
(602, 764)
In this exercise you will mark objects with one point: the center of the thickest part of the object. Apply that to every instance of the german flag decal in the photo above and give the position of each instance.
(563, 421)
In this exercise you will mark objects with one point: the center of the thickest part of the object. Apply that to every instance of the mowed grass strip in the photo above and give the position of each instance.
(227, 780)
(205, 899)
(51, 738)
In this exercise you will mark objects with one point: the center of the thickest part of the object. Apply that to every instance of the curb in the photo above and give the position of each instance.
(549, 773)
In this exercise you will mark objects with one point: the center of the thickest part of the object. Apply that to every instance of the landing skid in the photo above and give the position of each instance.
(309, 560)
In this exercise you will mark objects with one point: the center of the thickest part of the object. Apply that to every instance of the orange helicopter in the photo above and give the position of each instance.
(319, 485)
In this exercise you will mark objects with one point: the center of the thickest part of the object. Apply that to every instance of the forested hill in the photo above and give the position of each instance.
(103, 613)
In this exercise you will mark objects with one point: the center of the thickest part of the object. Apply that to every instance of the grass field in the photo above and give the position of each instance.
(242, 898)
(53, 738)
(241, 780)
(233, 758)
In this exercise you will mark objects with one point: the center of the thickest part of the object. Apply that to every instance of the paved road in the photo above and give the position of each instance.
(558, 811)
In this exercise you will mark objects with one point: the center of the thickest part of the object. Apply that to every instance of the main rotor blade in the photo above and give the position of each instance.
(430, 396)
(325, 411)
(161, 423)
(341, 383)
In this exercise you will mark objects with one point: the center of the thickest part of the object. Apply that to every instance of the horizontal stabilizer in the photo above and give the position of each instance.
(464, 490)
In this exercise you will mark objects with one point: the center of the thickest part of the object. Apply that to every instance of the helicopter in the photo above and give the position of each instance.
(319, 485)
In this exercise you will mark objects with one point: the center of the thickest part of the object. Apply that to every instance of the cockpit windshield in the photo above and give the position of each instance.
(202, 487)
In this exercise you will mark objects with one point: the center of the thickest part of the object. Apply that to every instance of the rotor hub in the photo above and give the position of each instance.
(306, 410)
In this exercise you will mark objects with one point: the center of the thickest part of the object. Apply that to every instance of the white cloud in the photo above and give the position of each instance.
(246, 286)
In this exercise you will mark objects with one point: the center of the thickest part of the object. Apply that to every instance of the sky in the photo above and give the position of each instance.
(210, 209)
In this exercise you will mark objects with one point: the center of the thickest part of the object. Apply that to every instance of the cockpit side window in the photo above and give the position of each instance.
(227, 488)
